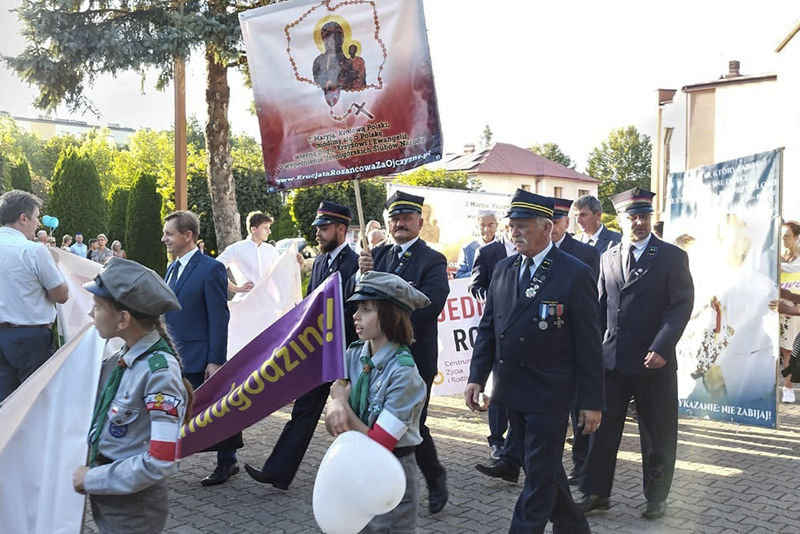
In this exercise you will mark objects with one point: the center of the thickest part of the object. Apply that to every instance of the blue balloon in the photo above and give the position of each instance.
(49, 221)
(54, 220)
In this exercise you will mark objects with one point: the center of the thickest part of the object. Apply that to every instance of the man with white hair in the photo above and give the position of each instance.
(487, 226)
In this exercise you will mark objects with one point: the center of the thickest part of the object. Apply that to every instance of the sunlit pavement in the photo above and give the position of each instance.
(729, 479)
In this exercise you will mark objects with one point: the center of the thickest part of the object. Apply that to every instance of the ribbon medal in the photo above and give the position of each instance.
(544, 310)
(559, 322)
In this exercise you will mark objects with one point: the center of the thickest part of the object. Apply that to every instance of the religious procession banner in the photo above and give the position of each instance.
(727, 217)
(299, 351)
(458, 327)
(43, 437)
(451, 216)
(343, 90)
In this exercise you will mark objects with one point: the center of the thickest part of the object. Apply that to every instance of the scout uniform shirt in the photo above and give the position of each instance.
(140, 435)
(396, 393)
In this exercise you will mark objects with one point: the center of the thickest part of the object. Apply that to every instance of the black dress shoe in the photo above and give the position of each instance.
(593, 502)
(500, 469)
(220, 475)
(497, 450)
(574, 477)
(437, 494)
(264, 478)
(655, 509)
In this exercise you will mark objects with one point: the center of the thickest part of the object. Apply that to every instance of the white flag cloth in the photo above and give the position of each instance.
(73, 314)
(277, 292)
(43, 429)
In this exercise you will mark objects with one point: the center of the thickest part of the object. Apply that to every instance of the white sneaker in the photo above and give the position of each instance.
(788, 395)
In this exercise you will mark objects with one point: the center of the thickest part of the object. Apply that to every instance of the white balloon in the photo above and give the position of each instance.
(357, 480)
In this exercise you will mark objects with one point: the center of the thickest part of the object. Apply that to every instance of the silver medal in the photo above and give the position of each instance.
(542, 325)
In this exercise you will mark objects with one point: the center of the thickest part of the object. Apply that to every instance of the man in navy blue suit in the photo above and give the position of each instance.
(426, 270)
(590, 211)
(540, 332)
(591, 257)
(200, 328)
(332, 223)
(646, 298)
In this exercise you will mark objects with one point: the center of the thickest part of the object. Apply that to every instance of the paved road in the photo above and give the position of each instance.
(729, 479)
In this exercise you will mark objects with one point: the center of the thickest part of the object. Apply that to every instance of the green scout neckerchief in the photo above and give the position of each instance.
(108, 394)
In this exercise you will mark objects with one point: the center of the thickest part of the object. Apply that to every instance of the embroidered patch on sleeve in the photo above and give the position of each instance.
(157, 362)
(160, 402)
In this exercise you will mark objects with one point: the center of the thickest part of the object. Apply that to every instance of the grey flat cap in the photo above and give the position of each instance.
(133, 286)
(375, 285)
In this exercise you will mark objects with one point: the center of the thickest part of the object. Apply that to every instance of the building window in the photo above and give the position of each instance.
(583, 192)
(525, 187)
(558, 192)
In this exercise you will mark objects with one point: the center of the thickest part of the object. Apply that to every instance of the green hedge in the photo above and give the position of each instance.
(143, 227)
(76, 197)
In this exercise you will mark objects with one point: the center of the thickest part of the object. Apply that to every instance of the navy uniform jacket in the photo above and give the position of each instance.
(586, 253)
(542, 371)
(486, 257)
(649, 311)
(426, 270)
(200, 328)
(346, 264)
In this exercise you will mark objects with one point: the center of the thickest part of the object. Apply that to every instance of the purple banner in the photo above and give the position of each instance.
(301, 350)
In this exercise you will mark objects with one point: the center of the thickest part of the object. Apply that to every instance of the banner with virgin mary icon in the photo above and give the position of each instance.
(343, 89)
(726, 216)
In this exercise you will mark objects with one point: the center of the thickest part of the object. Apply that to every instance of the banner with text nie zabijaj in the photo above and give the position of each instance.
(343, 90)
(726, 216)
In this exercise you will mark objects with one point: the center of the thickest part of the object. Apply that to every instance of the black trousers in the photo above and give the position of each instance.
(656, 398)
(546, 494)
(283, 463)
(427, 458)
(498, 422)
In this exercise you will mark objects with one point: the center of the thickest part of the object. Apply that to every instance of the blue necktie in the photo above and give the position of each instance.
(525, 276)
(173, 276)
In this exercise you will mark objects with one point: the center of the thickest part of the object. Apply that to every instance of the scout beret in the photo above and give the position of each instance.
(525, 205)
(376, 285)
(134, 287)
(331, 212)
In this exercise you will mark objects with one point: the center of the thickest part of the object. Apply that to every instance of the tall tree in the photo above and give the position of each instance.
(620, 162)
(71, 43)
(552, 152)
(143, 225)
(76, 197)
(486, 136)
(118, 214)
(20, 176)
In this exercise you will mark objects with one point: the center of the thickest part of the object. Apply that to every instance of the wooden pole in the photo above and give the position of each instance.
(364, 239)
(181, 188)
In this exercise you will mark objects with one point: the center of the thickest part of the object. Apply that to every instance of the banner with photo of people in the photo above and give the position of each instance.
(451, 216)
(343, 90)
(727, 217)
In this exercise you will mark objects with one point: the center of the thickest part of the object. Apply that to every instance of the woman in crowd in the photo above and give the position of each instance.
(116, 250)
(66, 241)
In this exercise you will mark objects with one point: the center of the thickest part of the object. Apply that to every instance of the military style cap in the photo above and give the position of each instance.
(633, 201)
(561, 207)
(525, 205)
(133, 286)
(376, 285)
(402, 202)
(331, 212)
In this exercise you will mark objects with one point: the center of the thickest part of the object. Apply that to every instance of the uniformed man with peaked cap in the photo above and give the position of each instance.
(540, 332)
(646, 298)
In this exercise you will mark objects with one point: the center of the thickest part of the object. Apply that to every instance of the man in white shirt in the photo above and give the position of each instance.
(30, 286)
(251, 258)
(589, 211)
